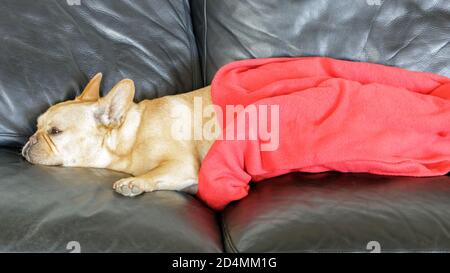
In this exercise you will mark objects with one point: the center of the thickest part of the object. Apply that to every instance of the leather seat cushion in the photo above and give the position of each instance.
(333, 212)
(45, 208)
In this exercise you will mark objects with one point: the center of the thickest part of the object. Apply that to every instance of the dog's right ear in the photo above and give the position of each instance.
(92, 90)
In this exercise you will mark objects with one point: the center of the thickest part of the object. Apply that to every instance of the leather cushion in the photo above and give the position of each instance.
(49, 50)
(410, 34)
(45, 208)
(334, 212)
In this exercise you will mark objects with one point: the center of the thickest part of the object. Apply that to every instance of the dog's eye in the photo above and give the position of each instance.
(54, 131)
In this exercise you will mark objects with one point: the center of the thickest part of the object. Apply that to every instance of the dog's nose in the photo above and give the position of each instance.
(32, 140)
(25, 149)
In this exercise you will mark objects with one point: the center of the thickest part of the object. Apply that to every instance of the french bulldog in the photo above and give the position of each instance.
(116, 133)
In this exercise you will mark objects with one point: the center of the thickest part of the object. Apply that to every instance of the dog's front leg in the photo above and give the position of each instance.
(171, 175)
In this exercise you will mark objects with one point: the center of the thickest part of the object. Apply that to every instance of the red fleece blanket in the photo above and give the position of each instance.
(333, 115)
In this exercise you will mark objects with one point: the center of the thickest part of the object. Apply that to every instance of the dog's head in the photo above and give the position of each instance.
(71, 133)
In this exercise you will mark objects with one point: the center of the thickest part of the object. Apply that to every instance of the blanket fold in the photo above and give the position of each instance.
(332, 115)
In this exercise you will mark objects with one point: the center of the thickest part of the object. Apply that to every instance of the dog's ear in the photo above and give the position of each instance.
(92, 90)
(113, 107)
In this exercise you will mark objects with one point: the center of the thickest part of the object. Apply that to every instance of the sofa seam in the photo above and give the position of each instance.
(226, 236)
(205, 35)
(191, 42)
(369, 32)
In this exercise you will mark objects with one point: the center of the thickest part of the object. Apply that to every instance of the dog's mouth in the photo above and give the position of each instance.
(33, 158)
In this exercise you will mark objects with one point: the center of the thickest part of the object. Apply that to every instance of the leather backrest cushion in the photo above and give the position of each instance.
(50, 49)
(412, 34)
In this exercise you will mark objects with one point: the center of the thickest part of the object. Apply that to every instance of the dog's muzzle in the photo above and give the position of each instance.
(26, 149)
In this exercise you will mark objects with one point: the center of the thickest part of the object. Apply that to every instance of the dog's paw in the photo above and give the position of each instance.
(128, 187)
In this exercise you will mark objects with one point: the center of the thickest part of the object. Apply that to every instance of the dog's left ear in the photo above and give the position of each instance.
(113, 107)
(92, 90)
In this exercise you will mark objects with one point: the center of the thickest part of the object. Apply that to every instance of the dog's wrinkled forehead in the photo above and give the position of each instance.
(65, 113)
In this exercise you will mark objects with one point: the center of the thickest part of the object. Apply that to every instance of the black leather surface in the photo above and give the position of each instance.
(332, 212)
(42, 209)
(411, 34)
(49, 49)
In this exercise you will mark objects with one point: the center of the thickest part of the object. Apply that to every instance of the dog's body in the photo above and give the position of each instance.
(115, 133)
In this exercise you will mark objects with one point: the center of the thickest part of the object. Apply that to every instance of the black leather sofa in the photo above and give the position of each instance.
(49, 49)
